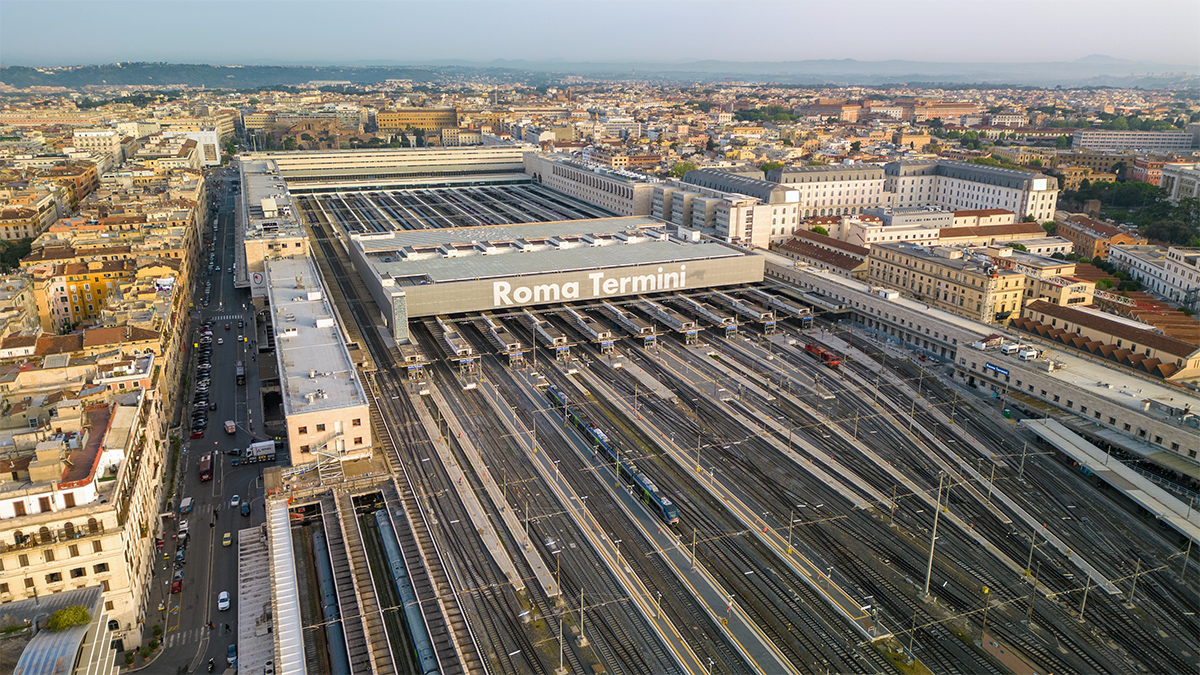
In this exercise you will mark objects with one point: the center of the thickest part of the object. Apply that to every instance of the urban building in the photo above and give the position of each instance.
(833, 189)
(1167, 272)
(1128, 342)
(1183, 274)
(989, 235)
(324, 404)
(963, 186)
(79, 495)
(208, 143)
(890, 226)
(957, 281)
(428, 120)
(426, 273)
(1181, 181)
(1099, 161)
(845, 260)
(1073, 176)
(361, 169)
(1092, 238)
(1145, 141)
(737, 208)
(1059, 290)
(620, 192)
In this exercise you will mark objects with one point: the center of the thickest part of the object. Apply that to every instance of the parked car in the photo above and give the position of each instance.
(177, 586)
(223, 601)
(231, 655)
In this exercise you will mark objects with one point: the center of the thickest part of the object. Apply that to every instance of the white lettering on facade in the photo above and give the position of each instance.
(503, 293)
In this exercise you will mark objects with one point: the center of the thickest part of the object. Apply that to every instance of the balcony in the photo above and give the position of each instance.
(45, 536)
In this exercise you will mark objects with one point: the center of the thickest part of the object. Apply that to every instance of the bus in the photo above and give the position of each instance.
(241, 373)
(206, 466)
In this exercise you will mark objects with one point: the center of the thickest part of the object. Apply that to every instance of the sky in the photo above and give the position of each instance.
(351, 32)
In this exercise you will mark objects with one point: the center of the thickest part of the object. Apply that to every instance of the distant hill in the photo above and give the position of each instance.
(1092, 70)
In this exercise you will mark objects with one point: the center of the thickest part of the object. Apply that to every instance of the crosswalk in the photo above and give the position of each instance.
(180, 638)
(228, 317)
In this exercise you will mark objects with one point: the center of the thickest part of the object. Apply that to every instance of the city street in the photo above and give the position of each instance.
(210, 567)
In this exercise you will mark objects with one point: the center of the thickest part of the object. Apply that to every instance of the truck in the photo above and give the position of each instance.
(230, 427)
(262, 451)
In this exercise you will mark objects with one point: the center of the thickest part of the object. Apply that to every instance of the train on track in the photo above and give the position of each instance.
(823, 355)
(418, 634)
(335, 639)
(655, 501)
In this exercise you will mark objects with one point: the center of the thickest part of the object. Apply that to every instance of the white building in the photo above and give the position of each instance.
(621, 192)
(961, 186)
(208, 143)
(1181, 181)
(834, 189)
(1147, 264)
(1183, 273)
(1146, 141)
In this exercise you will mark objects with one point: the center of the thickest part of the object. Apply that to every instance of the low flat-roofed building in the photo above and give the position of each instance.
(1181, 181)
(1093, 238)
(1059, 290)
(988, 235)
(1148, 264)
(324, 403)
(348, 169)
(1044, 245)
(267, 226)
(983, 217)
(825, 258)
(422, 273)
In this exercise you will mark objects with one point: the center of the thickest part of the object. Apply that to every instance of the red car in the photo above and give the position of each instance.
(177, 587)
(198, 433)
(226, 326)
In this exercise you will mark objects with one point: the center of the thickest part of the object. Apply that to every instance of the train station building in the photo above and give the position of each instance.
(424, 273)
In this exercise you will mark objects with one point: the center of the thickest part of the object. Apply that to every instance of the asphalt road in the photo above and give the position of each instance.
(210, 567)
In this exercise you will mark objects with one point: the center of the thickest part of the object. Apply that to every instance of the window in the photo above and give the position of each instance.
(108, 607)
(356, 422)
(53, 577)
(73, 551)
(97, 547)
(1127, 427)
(69, 499)
(100, 568)
(320, 427)
(104, 584)
(1174, 446)
(304, 448)
(3, 588)
(23, 560)
(78, 572)
(302, 430)
(43, 502)
(48, 554)
(358, 440)
(1112, 420)
(28, 583)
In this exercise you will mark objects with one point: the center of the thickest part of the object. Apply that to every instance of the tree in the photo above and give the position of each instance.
(68, 617)
(289, 143)
(1171, 231)
(254, 101)
(11, 253)
(1104, 284)
(711, 145)
(1057, 255)
(1062, 142)
(856, 147)
(787, 143)
(681, 168)
(1029, 219)
(820, 230)
(766, 167)
(1050, 226)
(1019, 247)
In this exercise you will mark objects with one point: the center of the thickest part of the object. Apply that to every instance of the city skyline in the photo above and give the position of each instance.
(367, 32)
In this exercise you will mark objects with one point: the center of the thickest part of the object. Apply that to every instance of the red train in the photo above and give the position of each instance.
(823, 355)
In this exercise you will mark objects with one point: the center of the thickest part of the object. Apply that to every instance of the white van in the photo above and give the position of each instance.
(1028, 354)
(185, 506)
(1010, 349)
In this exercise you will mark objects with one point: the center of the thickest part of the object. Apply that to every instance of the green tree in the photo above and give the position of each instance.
(254, 100)
(1171, 231)
(856, 147)
(681, 168)
(1029, 219)
(289, 143)
(68, 617)
(1050, 226)
(404, 142)
(1019, 247)
(1104, 284)
(766, 167)
(11, 253)
(711, 145)
(820, 230)
(1062, 142)
(1117, 124)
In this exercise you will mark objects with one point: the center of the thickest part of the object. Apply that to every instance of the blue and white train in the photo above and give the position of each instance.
(656, 502)
(418, 633)
(335, 639)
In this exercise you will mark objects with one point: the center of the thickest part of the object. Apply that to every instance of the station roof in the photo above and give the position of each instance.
(289, 638)
(316, 371)
(416, 258)
(48, 650)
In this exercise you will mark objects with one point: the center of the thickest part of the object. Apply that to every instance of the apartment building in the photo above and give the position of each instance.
(79, 495)
(1147, 170)
(834, 189)
(825, 253)
(72, 293)
(963, 186)
(1181, 181)
(740, 209)
(208, 142)
(951, 279)
(1059, 290)
(1145, 141)
(1183, 274)
(867, 230)
(989, 235)
(1167, 272)
(1092, 238)
(429, 120)
(101, 141)
(1073, 176)
(620, 192)
(1099, 161)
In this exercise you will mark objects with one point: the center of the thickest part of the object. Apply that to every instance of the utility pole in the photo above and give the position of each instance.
(933, 535)
(892, 518)
(1137, 570)
(791, 526)
(1033, 592)
(991, 483)
(1021, 474)
(1083, 605)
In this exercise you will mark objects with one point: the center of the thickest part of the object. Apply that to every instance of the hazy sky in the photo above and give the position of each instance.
(64, 32)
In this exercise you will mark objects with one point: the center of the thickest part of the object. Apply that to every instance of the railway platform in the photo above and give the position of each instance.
(1182, 518)
(470, 501)
(507, 513)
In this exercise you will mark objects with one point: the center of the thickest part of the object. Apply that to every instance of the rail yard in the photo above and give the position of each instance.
(701, 479)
